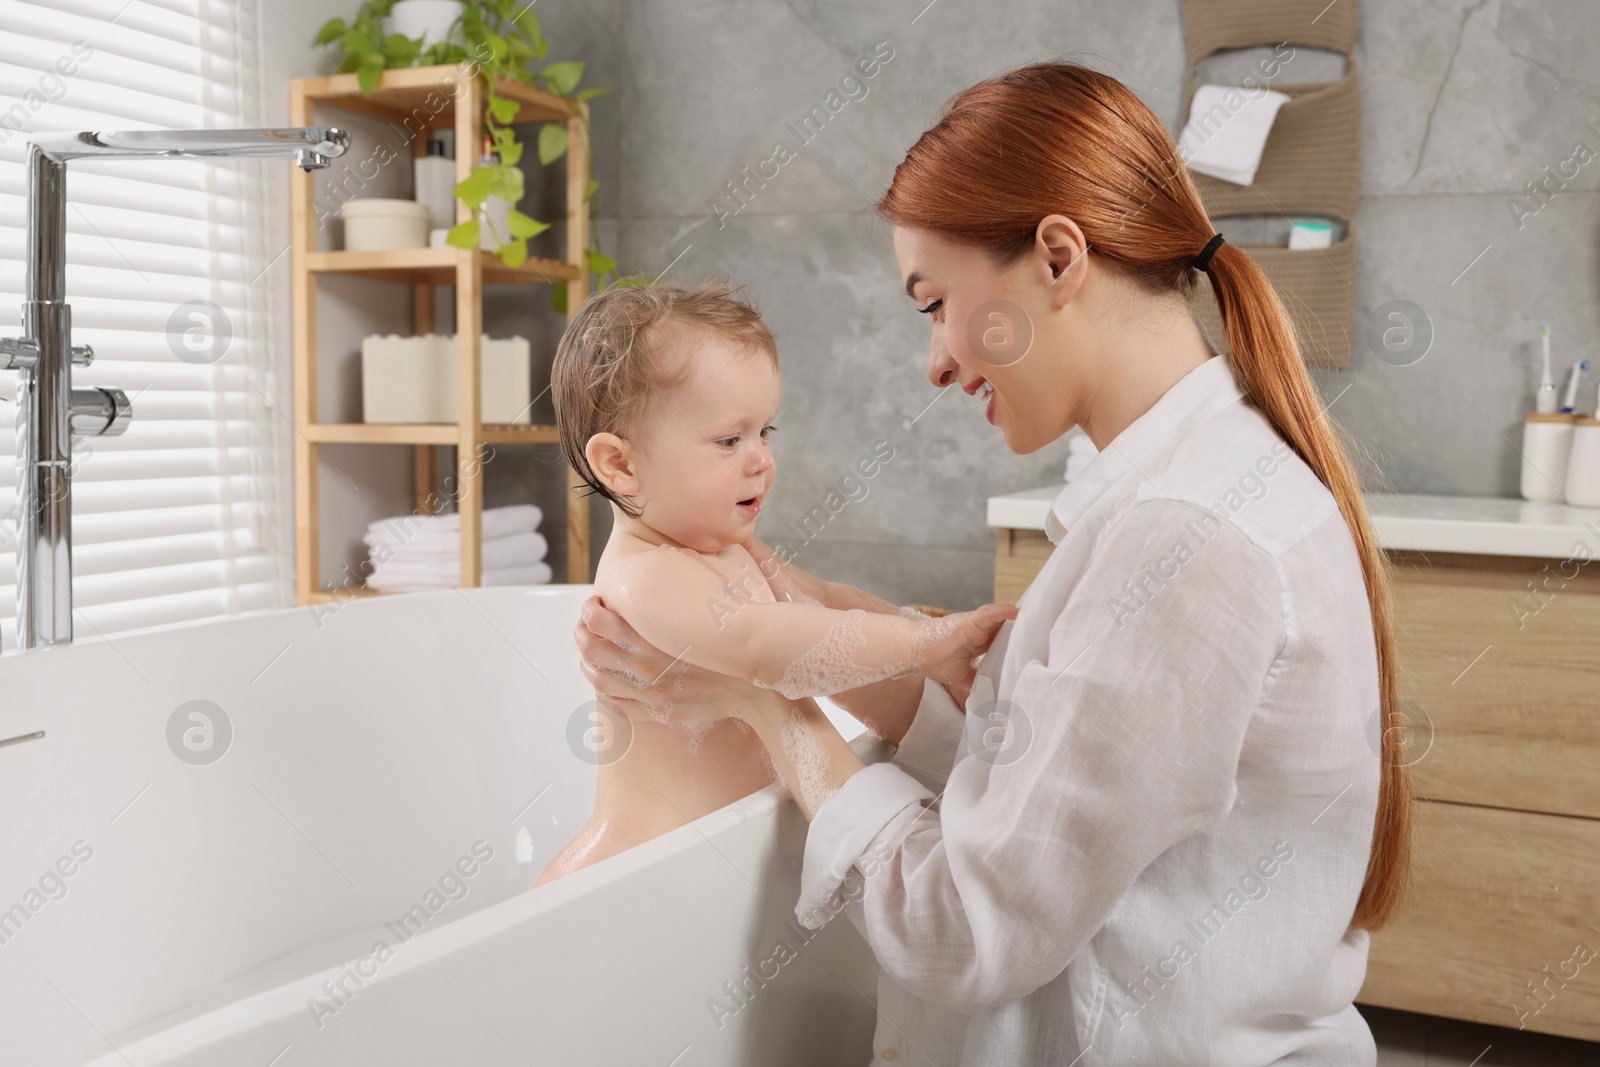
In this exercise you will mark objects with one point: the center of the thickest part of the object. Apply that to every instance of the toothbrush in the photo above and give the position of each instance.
(1572, 385)
(1544, 401)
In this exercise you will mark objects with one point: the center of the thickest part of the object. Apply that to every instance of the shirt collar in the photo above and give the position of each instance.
(1198, 395)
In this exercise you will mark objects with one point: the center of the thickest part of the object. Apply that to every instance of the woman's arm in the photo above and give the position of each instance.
(886, 708)
(814, 760)
(1130, 743)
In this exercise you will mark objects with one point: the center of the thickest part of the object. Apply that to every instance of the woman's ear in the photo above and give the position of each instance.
(611, 459)
(1065, 251)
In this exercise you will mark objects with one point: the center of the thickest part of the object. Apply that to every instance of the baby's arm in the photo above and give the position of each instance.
(800, 649)
(838, 595)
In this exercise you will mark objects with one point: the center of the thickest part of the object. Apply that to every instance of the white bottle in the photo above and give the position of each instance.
(436, 185)
(495, 210)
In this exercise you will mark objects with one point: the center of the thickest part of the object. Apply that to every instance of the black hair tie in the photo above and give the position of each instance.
(1203, 260)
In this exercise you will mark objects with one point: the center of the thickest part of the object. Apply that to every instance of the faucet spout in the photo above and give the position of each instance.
(312, 147)
(49, 410)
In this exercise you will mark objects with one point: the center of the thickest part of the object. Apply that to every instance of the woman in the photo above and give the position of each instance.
(1178, 853)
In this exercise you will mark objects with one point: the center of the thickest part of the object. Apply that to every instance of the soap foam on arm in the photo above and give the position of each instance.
(682, 606)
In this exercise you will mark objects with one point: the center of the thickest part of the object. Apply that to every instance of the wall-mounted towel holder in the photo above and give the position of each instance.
(1311, 165)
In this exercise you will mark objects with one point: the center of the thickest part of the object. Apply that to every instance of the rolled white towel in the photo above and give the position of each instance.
(519, 548)
(392, 579)
(497, 522)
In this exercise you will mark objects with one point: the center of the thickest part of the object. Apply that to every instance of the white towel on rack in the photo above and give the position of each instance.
(514, 550)
(392, 579)
(497, 522)
(1227, 130)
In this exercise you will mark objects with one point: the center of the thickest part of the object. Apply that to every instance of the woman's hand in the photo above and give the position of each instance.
(956, 640)
(645, 682)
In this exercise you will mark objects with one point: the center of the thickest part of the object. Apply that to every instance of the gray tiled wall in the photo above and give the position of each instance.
(1465, 103)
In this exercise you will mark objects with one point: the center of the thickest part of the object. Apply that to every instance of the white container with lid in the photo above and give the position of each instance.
(373, 224)
(1583, 467)
(1546, 450)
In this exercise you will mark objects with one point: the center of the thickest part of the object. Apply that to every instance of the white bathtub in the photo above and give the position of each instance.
(158, 911)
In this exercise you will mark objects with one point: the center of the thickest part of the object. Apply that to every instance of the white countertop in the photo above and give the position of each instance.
(1493, 526)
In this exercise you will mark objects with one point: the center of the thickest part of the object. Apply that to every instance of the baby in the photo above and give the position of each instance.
(665, 399)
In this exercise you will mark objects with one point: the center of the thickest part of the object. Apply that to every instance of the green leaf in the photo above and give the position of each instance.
(400, 48)
(477, 185)
(514, 254)
(589, 94)
(463, 235)
(508, 185)
(445, 52)
(330, 29)
(518, 50)
(563, 77)
(525, 225)
(504, 110)
(527, 22)
(552, 142)
(510, 152)
(371, 69)
(594, 187)
(356, 43)
(600, 263)
(558, 297)
(497, 46)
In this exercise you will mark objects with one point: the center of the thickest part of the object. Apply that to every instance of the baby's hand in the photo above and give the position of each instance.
(947, 646)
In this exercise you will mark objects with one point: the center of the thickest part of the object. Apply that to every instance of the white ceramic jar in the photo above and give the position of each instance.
(430, 20)
(374, 224)
(1583, 469)
(1546, 448)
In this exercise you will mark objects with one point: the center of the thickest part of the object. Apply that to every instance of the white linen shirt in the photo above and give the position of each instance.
(1156, 860)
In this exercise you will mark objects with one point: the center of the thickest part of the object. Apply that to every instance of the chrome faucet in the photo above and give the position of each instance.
(49, 409)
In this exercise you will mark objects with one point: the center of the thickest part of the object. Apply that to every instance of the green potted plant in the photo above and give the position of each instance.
(502, 38)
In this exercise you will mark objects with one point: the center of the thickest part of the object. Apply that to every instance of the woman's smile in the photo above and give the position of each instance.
(983, 389)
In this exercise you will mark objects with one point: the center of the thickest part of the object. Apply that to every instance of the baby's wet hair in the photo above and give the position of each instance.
(609, 366)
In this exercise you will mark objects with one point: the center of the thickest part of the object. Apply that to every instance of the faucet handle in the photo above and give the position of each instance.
(23, 352)
(100, 412)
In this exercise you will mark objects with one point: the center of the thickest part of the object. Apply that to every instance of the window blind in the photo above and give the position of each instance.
(170, 278)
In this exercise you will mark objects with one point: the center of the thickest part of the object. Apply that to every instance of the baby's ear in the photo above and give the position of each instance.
(611, 459)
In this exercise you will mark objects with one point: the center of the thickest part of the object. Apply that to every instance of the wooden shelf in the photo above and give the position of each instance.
(415, 102)
(334, 596)
(437, 266)
(426, 97)
(426, 433)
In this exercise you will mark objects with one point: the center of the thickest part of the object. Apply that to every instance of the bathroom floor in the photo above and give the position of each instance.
(1406, 1039)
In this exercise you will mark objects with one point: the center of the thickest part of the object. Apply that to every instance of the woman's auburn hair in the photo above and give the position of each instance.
(1059, 138)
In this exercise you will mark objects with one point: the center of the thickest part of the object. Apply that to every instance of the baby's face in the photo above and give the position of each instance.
(702, 456)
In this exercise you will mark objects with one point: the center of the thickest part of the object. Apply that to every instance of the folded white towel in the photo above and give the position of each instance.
(497, 522)
(1227, 131)
(391, 579)
(511, 551)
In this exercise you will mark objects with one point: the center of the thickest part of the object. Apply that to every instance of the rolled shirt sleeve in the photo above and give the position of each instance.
(1127, 738)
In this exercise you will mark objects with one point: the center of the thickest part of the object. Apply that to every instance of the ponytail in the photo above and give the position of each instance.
(1266, 358)
(1061, 138)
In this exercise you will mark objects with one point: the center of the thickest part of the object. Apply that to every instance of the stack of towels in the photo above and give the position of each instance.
(424, 551)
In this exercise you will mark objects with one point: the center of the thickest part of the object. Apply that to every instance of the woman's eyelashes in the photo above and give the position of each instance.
(931, 308)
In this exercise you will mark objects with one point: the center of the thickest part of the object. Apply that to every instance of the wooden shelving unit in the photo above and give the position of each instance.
(423, 99)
